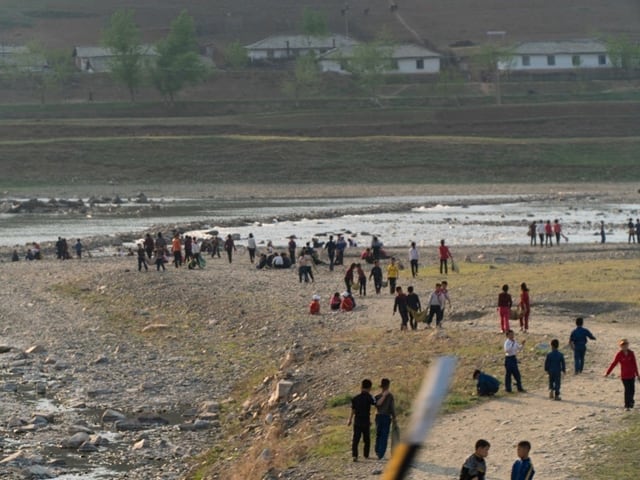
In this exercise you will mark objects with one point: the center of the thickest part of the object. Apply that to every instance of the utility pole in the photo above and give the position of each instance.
(345, 14)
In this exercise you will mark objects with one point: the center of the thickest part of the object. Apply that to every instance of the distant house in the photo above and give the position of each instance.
(405, 58)
(282, 47)
(562, 55)
(21, 58)
(98, 59)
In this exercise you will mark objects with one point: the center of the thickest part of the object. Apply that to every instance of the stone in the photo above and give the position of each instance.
(10, 387)
(201, 424)
(281, 392)
(209, 407)
(75, 440)
(41, 388)
(87, 447)
(129, 425)
(80, 428)
(155, 326)
(21, 458)
(101, 360)
(152, 419)
(35, 349)
(110, 416)
(141, 444)
(5, 349)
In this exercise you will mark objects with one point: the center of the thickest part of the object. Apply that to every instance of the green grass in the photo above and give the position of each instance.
(617, 455)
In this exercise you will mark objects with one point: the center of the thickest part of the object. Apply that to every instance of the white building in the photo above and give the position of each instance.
(21, 58)
(563, 55)
(282, 47)
(98, 59)
(406, 59)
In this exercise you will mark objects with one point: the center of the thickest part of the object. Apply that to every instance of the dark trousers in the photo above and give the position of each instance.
(578, 357)
(339, 257)
(511, 369)
(443, 265)
(392, 284)
(252, 254)
(554, 382)
(629, 392)
(177, 259)
(292, 255)
(332, 257)
(363, 431)
(230, 255)
(142, 262)
(383, 426)
(363, 286)
(434, 310)
(377, 283)
(414, 268)
(404, 315)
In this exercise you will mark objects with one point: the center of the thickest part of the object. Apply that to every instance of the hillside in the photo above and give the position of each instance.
(62, 23)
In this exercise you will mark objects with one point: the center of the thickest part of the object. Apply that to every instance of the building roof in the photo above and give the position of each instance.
(555, 48)
(398, 52)
(96, 52)
(13, 50)
(276, 42)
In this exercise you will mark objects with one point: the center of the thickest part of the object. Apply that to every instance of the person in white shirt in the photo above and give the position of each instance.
(414, 256)
(511, 349)
(540, 232)
(251, 247)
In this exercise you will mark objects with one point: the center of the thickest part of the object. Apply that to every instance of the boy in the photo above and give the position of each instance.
(555, 367)
(386, 414)
(400, 305)
(578, 341)
(523, 468)
(511, 349)
(486, 384)
(474, 467)
(361, 419)
(435, 306)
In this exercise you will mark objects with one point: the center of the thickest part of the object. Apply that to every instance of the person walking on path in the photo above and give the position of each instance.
(522, 468)
(511, 349)
(414, 256)
(160, 258)
(376, 274)
(578, 341)
(361, 419)
(148, 245)
(525, 307)
(475, 467)
(229, 247)
(554, 366)
(628, 371)
(392, 275)
(400, 305)
(413, 304)
(362, 280)
(386, 413)
(504, 308)
(445, 255)
(436, 303)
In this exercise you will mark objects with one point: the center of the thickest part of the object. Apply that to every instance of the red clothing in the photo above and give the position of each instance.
(444, 252)
(314, 307)
(557, 228)
(628, 365)
(346, 304)
(524, 299)
(548, 229)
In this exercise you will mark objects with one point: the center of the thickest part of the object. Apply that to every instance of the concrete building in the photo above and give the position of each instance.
(562, 55)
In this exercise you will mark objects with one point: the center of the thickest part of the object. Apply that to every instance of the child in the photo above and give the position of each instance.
(578, 341)
(474, 467)
(523, 468)
(628, 371)
(400, 305)
(334, 303)
(361, 418)
(486, 384)
(314, 306)
(555, 367)
(362, 281)
(347, 303)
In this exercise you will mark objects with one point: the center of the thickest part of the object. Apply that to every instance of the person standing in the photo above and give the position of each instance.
(525, 307)
(292, 248)
(511, 349)
(160, 251)
(603, 234)
(532, 233)
(475, 467)
(348, 276)
(522, 468)
(444, 293)
(229, 247)
(188, 252)
(445, 255)
(251, 248)
(504, 308)
(176, 249)
(638, 230)
(148, 245)
(386, 413)
(392, 275)
(631, 229)
(376, 274)
(540, 232)
(413, 306)
(330, 247)
(142, 258)
(376, 246)
(78, 249)
(341, 245)
(557, 230)
(435, 306)
(414, 256)
(628, 371)
(578, 341)
(548, 234)
(400, 305)
(362, 280)
(361, 419)
(554, 366)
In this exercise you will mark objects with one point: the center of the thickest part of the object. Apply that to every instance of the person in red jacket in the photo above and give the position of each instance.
(525, 307)
(628, 371)
(346, 305)
(314, 306)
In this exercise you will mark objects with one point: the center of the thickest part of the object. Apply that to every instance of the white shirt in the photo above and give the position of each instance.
(413, 254)
(277, 260)
(195, 248)
(251, 243)
(511, 347)
(540, 228)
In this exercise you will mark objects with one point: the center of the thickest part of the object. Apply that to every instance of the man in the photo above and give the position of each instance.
(176, 249)
(511, 349)
(292, 249)
(376, 274)
(486, 385)
(631, 228)
(540, 232)
(385, 405)
(578, 341)
(435, 306)
(361, 419)
(400, 304)
(414, 256)
(330, 247)
(413, 306)
(341, 245)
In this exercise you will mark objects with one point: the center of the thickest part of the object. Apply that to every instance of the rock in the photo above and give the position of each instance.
(35, 349)
(39, 471)
(155, 326)
(281, 392)
(22, 458)
(152, 419)
(10, 387)
(4, 349)
(49, 361)
(75, 440)
(209, 407)
(139, 445)
(41, 388)
(87, 447)
(110, 416)
(15, 422)
(101, 360)
(39, 421)
(187, 427)
(129, 425)
(201, 424)
(266, 455)
(98, 440)
(80, 429)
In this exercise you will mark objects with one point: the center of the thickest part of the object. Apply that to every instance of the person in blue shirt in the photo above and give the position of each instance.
(555, 367)
(578, 341)
(486, 384)
(523, 468)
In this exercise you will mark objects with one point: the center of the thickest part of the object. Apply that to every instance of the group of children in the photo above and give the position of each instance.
(475, 467)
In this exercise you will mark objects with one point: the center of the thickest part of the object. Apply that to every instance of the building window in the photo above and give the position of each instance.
(526, 61)
(602, 59)
(551, 60)
(419, 64)
(575, 60)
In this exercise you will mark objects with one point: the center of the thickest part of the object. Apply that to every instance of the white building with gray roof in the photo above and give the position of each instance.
(561, 55)
(283, 47)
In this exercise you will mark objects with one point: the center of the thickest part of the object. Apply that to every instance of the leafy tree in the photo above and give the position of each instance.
(236, 55)
(314, 23)
(122, 37)
(491, 59)
(178, 62)
(368, 64)
(305, 79)
(623, 52)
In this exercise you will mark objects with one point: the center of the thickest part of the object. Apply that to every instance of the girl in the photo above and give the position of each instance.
(525, 307)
